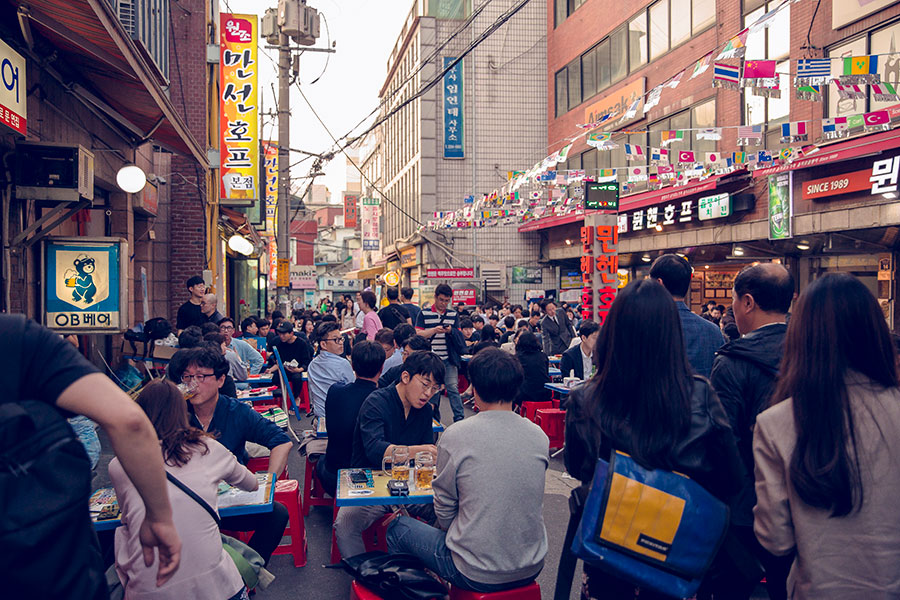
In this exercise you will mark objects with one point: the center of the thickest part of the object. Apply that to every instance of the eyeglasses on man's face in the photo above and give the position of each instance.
(428, 387)
(333, 339)
(199, 377)
(226, 328)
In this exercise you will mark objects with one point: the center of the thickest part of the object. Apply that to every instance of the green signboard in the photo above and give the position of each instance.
(781, 205)
(526, 275)
(601, 195)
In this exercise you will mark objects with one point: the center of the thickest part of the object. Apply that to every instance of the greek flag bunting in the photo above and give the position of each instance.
(813, 71)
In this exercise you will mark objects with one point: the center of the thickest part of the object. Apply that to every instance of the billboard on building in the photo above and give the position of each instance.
(453, 110)
(239, 109)
(781, 205)
(350, 210)
(13, 105)
(371, 229)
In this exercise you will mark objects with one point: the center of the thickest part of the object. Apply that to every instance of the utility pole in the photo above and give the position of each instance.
(284, 172)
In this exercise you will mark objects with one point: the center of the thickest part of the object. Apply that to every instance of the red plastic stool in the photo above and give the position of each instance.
(529, 409)
(529, 592)
(261, 463)
(360, 592)
(288, 493)
(375, 537)
(313, 490)
(303, 400)
(553, 422)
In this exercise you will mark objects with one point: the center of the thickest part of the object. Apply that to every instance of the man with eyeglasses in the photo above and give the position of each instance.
(251, 359)
(398, 415)
(329, 367)
(234, 424)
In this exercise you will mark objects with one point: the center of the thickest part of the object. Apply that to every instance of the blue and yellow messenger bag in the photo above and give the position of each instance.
(655, 528)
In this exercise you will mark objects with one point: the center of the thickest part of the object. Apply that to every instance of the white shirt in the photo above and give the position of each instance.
(588, 365)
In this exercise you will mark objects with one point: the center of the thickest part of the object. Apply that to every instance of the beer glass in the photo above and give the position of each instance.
(424, 470)
(399, 463)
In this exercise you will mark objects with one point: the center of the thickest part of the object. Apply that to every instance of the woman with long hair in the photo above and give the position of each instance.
(644, 400)
(827, 454)
(200, 462)
(536, 367)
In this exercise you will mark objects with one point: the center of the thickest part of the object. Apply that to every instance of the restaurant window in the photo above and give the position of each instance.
(771, 43)
(562, 93)
(618, 54)
(589, 73)
(574, 75)
(659, 29)
(680, 25)
(703, 14)
(637, 41)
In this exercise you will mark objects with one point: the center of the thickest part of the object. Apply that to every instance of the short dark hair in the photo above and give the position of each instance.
(329, 317)
(488, 333)
(367, 358)
(403, 332)
(190, 337)
(496, 375)
(771, 286)
(708, 302)
(424, 362)
(407, 293)
(277, 314)
(369, 298)
(587, 328)
(509, 321)
(417, 342)
(478, 319)
(547, 302)
(465, 323)
(324, 328)
(199, 357)
(392, 293)
(674, 271)
(192, 281)
(263, 323)
(494, 318)
(223, 319)
(481, 346)
(385, 336)
(209, 327)
(215, 337)
(298, 314)
(443, 290)
(515, 306)
(249, 321)
(720, 307)
(528, 342)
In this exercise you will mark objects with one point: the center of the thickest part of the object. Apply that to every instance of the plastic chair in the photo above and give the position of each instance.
(531, 591)
(288, 493)
(360, 592)
(313, 490)
(304, 405)
(375, 537)
(553, 423)
(529, 409)
(286, 390)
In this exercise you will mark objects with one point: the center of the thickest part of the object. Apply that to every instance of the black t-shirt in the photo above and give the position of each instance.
(382, 422)
(342, 406)
(298, 350)
(38, 362)
(189, 314)
(393, 315)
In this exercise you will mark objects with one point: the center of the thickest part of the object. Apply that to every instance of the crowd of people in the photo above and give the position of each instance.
(785, 408)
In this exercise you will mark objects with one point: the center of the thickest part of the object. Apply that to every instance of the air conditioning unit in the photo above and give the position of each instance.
(54, 171)
(127, 12)
(268, 26)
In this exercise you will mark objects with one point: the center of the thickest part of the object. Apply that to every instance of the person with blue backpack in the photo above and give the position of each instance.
(664, 419)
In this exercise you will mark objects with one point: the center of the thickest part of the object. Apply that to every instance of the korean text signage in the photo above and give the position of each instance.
(453, 110)
(781, 205)
(270, 153)
(836, 184)
(599, 266)
(601, 195)
(466, 296)
(85, 284)
(12, 91)
(371, 218)
(451, 274)
(239, 108)
(284, 272)
(408, 257)
(392, 279)
(714, 207)
(350, 210)
(526, 275)
(885, 174)
(339, 285)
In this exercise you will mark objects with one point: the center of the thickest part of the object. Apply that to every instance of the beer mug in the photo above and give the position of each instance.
(424, 470)
(399, 464)
(188, 390)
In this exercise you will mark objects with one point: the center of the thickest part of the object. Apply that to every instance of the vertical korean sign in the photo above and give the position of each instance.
(781, 205)
(350, 215)
(239, 121)
(599, 265)
(12, 92)
(270, 154)
(371, 214)
(453, 110)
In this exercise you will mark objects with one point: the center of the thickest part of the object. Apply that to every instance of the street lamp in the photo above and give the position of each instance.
(240, 244)
(131, 178)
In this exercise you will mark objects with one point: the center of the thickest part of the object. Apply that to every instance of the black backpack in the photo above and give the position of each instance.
(48, 548)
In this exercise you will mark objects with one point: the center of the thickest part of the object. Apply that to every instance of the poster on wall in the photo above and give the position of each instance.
(239, 109)
(781, 205)
(526, 275)
(85, 284)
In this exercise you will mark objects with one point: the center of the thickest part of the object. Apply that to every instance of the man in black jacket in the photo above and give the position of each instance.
(579, 359)
(743, 374)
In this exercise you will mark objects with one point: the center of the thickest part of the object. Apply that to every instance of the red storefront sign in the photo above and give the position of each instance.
(350, 210)
(599, 266)
(466, 296)
(451, 274)
(837, 184)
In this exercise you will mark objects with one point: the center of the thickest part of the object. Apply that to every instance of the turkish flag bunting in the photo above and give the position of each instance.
(878, 117)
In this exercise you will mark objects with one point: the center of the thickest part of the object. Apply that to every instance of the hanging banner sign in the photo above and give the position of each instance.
(453, 110)
(466, 296)
(13, 107)
(350, 210)
(239, 109)
(270, 153)
(284, 272)
(781, 205)
(371, 218)
(616, 105)
(85, 283)
(450, 274)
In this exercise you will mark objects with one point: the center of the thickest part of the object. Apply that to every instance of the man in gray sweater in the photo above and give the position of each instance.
(488, 492)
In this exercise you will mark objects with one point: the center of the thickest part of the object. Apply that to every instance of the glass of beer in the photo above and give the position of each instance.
(188, 390)
(424, 470)
(399, 460)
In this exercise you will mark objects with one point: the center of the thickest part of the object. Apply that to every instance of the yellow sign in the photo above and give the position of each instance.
(284, 272)
(408, 257)
(271, 183)
(623, 278)
(239, 108)
(617, 104)
(392, 278)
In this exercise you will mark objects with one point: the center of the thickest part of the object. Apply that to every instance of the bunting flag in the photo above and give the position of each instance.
(714, 158)
(563, 154)
(813, 71)
(659, 156)
(855, 121)
(673, 83)
(736, 46)
(859, 70)
(766, 20)
(652, 98)
(712, 133)
(672, 135)
(653, 181)
(788, 154)
(764, 156)
(759, 73)
(601, 141)
(701, 65)
(632, 111)
(884, 92)
(599, 122)
(633, 152)
(685, 157)
(749, 135)
(879, 120)
(794, 131)
(835, 128)
(726, 76)
(576, 175)
(739, 158)
(849, 92)
(810, 92)
(606, 174)
(666, 171)
(636, 174)
(772, 90)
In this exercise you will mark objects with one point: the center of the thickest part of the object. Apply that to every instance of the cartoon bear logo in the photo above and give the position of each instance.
(81, 278)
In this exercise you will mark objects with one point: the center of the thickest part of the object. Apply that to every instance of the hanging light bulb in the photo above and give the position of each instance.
(131, 178)
(241, 245)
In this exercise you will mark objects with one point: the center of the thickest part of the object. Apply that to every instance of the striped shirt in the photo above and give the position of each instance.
(428, 318)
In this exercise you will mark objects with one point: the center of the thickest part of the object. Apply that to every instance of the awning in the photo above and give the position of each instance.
(123, 78)
(238, 223)
(369, 273)
(862, 146)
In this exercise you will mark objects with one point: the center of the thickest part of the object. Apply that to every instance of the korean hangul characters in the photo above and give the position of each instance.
(587, 269)
(652, 216)
(103, 318)
(669, 214)
(89, 318)
(686, 211)
(608, 237)
(608, 268)
(587, 240)
(637, 220)
(884, 175)
(605, 298)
